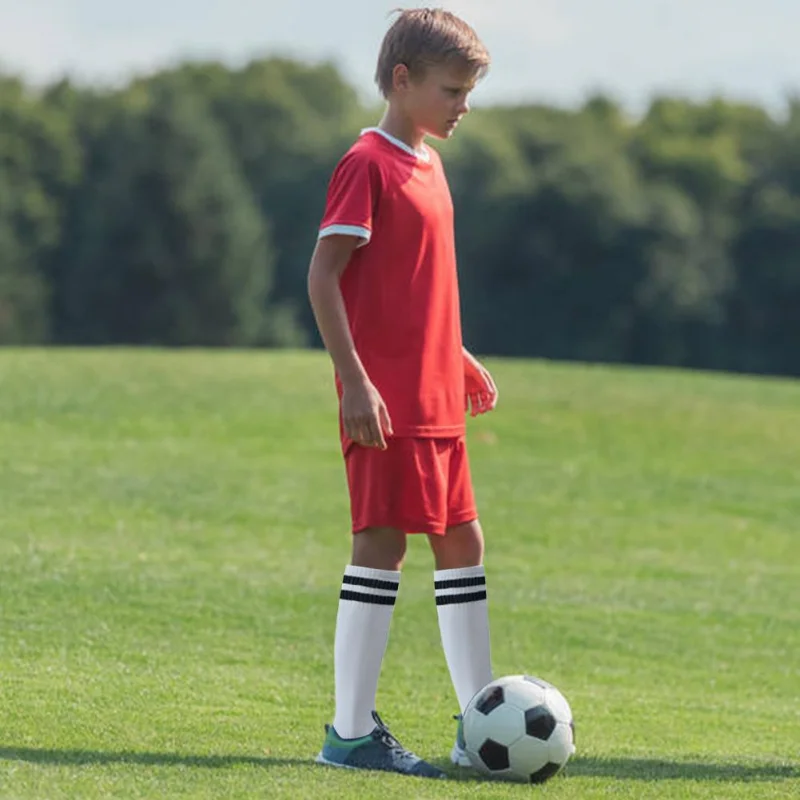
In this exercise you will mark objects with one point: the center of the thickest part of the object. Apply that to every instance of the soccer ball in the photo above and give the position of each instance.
(519, 728)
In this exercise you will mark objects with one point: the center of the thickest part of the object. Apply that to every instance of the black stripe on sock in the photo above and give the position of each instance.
(460, 583)
(450, 599)
(371, 583)
(375, 599)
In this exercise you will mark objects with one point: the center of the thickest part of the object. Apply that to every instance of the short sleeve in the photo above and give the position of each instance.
(352, 196)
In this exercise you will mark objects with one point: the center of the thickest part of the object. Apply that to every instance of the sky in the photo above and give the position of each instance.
(553, 51)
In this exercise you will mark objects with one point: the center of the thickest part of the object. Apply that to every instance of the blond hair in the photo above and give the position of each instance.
(425, 37)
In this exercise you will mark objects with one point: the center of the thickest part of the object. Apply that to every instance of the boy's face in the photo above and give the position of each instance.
(436, 102)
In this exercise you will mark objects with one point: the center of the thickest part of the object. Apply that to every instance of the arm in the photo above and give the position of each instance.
(478, 385)
(364, 413)
(328, 262)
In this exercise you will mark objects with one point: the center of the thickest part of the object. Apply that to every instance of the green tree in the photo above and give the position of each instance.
(23, 292)
(168, 246)
(547, 270)
(763, 316)
(184, 208)
(39, 160)
(286, 123)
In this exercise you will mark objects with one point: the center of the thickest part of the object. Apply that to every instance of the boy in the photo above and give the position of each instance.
(383, 286)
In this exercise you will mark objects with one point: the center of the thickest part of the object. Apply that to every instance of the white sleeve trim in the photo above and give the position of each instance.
(347, 230)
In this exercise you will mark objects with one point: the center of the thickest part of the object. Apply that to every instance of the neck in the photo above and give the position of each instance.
(400, 126)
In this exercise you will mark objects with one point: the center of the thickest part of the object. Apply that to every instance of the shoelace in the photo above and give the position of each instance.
(385, 736)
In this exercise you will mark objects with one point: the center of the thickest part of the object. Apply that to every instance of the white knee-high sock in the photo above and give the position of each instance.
(366, 604)
(464, 626)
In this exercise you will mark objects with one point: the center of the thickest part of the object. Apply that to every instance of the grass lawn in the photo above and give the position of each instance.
(174, 526)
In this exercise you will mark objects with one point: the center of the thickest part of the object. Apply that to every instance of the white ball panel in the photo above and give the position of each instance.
(528, 755)
(524, 694)
(558, 705)
(560, 744)
(505, 725)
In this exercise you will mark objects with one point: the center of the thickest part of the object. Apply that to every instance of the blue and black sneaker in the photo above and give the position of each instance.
(458, 755)
(378, 750)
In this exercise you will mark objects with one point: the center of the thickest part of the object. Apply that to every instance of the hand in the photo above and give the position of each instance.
(364, 416)
(481, 392)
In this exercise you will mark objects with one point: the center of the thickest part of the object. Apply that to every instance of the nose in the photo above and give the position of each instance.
(463, 107)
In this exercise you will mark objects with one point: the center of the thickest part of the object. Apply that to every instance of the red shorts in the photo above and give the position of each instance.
(415, 485)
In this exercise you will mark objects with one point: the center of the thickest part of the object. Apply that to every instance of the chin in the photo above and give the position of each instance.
(443, 133)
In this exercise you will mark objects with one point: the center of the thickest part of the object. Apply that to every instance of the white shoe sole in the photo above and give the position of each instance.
(320, 759)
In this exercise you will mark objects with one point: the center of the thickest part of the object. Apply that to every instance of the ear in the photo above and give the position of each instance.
(401, 79)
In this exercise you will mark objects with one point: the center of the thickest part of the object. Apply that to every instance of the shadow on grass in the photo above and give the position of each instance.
(639, 769)
(79, 758)
(650, 769)
(646, 769)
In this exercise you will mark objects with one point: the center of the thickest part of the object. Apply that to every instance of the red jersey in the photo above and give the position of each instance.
(400, 287)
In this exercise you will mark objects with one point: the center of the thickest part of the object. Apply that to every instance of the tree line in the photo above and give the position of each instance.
(182, 208)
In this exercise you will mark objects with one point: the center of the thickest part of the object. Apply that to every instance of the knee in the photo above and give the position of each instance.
(460, 547)
(379, 548)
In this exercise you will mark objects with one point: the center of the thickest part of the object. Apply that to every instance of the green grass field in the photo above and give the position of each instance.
(174, 525)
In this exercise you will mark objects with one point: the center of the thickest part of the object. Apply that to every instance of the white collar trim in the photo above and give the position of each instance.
(422, 154)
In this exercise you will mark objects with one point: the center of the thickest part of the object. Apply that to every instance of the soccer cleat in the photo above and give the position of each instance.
(378, 750)
(458, 755)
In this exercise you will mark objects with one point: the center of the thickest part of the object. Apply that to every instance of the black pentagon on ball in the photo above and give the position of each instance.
(491, 700)
(539, 722)
(545, 773)
(494, 755)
